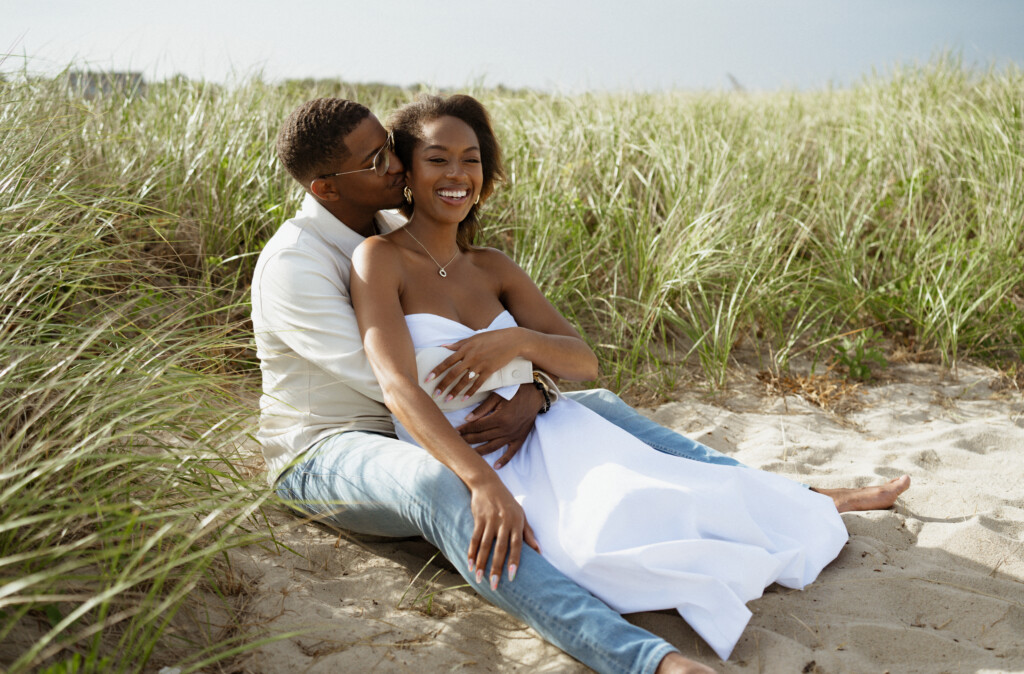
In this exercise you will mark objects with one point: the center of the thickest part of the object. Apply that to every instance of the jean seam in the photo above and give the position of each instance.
(663, 449)
(650, 665)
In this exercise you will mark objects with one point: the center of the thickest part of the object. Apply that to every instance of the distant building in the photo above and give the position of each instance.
(91, 84)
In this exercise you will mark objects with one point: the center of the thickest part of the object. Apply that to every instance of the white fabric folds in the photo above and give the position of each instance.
(643, 530)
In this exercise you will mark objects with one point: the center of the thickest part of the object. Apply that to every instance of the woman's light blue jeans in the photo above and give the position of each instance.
(374, 484)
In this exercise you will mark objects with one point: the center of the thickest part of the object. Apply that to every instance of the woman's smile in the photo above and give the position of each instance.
(454, 196)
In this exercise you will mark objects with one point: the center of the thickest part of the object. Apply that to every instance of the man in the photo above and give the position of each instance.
(329, 441)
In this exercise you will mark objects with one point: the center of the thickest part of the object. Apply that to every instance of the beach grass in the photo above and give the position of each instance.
(674, 229)
(782, 222)
(124, 398)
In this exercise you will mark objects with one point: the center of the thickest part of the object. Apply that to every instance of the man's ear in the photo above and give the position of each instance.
(323, 189)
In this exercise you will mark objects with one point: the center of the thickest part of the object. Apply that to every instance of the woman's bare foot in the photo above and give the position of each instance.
(846, 500)
(867, 498)
(675, 663)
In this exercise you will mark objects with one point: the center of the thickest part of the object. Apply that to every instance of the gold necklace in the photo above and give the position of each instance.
(440, 269)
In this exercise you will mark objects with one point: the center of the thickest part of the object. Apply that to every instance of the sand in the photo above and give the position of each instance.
(934, 585)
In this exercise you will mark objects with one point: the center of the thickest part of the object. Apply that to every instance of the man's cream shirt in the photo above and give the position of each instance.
(316, 379)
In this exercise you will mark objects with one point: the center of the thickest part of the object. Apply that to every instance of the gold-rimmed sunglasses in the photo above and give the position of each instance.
(381, 160)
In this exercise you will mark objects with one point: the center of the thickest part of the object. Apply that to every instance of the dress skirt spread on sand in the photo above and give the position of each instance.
(643, 530)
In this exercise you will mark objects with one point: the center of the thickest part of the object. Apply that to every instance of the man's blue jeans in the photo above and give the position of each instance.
(611, 407)
(373, 484)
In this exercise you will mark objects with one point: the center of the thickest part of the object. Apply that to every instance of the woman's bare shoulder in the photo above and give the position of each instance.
(494, 260)
(501, 266)
(375, 247)
(378, 257)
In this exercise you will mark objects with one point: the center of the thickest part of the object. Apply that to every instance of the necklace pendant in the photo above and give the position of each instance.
(442, 273)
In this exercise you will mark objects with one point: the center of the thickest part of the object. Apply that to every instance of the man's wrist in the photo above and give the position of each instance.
(545, 391)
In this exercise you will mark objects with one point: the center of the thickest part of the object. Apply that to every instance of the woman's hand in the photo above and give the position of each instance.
(475, 359)
(499, 519)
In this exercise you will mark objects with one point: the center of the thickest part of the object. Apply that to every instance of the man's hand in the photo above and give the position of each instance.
(499, 423)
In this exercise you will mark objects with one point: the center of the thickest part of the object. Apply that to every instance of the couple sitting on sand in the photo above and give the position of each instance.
(565, 509)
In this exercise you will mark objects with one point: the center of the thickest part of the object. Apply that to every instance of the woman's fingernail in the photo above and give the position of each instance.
(479, 575)
(429, 377)
(437, 392)
(472, 565)
(494, 582)
(449, 398)
(465, 397)
(512, 568)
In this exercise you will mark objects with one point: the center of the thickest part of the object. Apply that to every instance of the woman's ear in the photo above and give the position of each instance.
(323, 189)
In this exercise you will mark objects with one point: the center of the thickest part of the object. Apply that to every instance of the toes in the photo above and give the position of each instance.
(901, 484)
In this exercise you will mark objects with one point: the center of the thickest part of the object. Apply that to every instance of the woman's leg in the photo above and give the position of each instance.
(373, 484)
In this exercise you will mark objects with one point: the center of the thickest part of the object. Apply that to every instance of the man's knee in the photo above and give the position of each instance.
(597, 399)
(603, 394)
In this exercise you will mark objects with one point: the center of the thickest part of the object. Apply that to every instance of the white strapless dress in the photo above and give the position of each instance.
(643, 530)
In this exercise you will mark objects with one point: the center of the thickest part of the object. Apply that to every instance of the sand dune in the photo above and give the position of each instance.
(934, 585)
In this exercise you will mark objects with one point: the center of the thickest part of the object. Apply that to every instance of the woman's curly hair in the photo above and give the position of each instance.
(406, 124)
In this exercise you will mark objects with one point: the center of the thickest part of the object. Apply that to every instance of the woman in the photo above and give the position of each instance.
(444, 322)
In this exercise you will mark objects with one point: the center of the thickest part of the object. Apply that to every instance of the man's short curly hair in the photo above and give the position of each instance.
(312, 139)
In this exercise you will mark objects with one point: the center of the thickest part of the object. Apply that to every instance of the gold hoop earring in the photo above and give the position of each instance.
(407, 193)
(477, 199)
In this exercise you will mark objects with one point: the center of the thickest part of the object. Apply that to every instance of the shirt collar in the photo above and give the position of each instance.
(315, 218)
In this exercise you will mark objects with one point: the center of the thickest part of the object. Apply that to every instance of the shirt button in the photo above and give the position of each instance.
(515, 373)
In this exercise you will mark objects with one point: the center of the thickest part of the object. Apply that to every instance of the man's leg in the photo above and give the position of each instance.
(608, 405)
(611, 407)
(373, 484)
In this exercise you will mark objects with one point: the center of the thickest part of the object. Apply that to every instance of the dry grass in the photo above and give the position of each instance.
(825, 390)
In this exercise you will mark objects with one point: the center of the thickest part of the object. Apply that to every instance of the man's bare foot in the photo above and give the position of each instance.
(867, 498)
(675, 663)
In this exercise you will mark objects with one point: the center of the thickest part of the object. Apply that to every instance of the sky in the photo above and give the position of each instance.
(554, 45)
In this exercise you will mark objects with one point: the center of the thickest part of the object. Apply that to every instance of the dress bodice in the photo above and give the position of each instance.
(435, 330)
(430, 331)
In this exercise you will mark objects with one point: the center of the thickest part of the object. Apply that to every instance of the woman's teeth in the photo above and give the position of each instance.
(453, 194)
